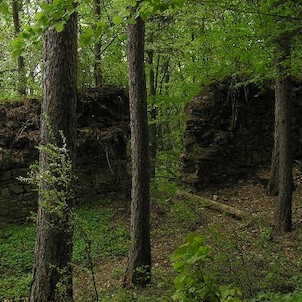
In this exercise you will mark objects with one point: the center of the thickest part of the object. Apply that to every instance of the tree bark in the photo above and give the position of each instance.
(21, 64)
(153, 115)
(283, 134)
(138, 271)
(273, 184)
(52, 277)
(283, 212)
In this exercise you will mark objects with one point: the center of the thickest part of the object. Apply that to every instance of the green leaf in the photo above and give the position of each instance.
(39, 15)
(59, 26)
(4, 8)
(18, 46)
(179, 2)
(101, 24)
(87, 37)
(117, 19)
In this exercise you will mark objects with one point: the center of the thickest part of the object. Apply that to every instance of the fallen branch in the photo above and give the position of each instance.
(217, 206)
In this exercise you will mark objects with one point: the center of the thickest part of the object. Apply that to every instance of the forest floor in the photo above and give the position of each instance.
(244, 252)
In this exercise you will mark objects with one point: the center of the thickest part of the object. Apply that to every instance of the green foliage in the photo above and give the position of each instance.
(17, 247)
(273, 297)
(15, 286)
(16, 256)
(53, 178)
(20, 240)
(193, 283)
(52, 15)
(4, 10)
(96, 225)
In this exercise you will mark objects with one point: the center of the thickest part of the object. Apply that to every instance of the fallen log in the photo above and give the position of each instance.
(214, 205)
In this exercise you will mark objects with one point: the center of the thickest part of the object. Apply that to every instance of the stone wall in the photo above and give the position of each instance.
(102, 161)
(230, 132)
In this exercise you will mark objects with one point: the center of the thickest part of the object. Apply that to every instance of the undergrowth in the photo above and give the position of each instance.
(242, 255)
(109, 240)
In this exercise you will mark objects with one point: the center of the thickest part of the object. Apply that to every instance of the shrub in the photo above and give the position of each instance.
(193, 283)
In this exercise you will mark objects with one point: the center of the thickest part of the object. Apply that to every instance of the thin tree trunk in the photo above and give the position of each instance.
(273, 185)
(98, 76)
(157, 72)
(165, 78)
(52, 277)
(283, 213)
(21, 65)
(138, 271)
(153, 115)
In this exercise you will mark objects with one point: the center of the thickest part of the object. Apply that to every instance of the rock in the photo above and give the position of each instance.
(103, 134)
(243, 141)
(5, 193)
(17, 189)
(6, 175)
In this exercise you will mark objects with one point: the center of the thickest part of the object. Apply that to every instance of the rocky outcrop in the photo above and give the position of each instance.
(101, 165)
(230, 132)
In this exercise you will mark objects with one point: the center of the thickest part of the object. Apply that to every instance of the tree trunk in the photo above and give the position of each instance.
(283, 213)
(138, 270)
(165, 78)
(98, 76)
(52, 278)
(273, 185)
(21, 65)
(153, 115)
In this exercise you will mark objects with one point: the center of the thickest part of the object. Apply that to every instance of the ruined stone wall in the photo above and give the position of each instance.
(230, 132)
(101, 166)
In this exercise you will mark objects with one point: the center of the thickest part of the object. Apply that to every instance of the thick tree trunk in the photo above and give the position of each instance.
(138, 270)
(21, 65)
(283, 213)
(52, 279)
(98, 76)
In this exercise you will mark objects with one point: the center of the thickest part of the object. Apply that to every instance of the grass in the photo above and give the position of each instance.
(16, 256)
(109, 241)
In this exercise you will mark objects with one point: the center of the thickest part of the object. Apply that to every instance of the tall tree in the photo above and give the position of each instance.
(273, 184)
(283, 213)
(98, 77)
(138, 270)
(52, 277)
(281, 29)
(153, 112)
(21, 65)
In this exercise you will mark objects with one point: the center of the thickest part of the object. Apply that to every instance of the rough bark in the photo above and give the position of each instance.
(138, 271)
(21, 64)
(52, 277)
(283, 212)
(98, 76)
(273, 184)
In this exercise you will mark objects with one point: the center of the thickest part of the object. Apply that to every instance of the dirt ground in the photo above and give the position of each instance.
(244, 251)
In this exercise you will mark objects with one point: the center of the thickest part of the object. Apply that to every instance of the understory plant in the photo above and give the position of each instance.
(193, 282)
(55, 181)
